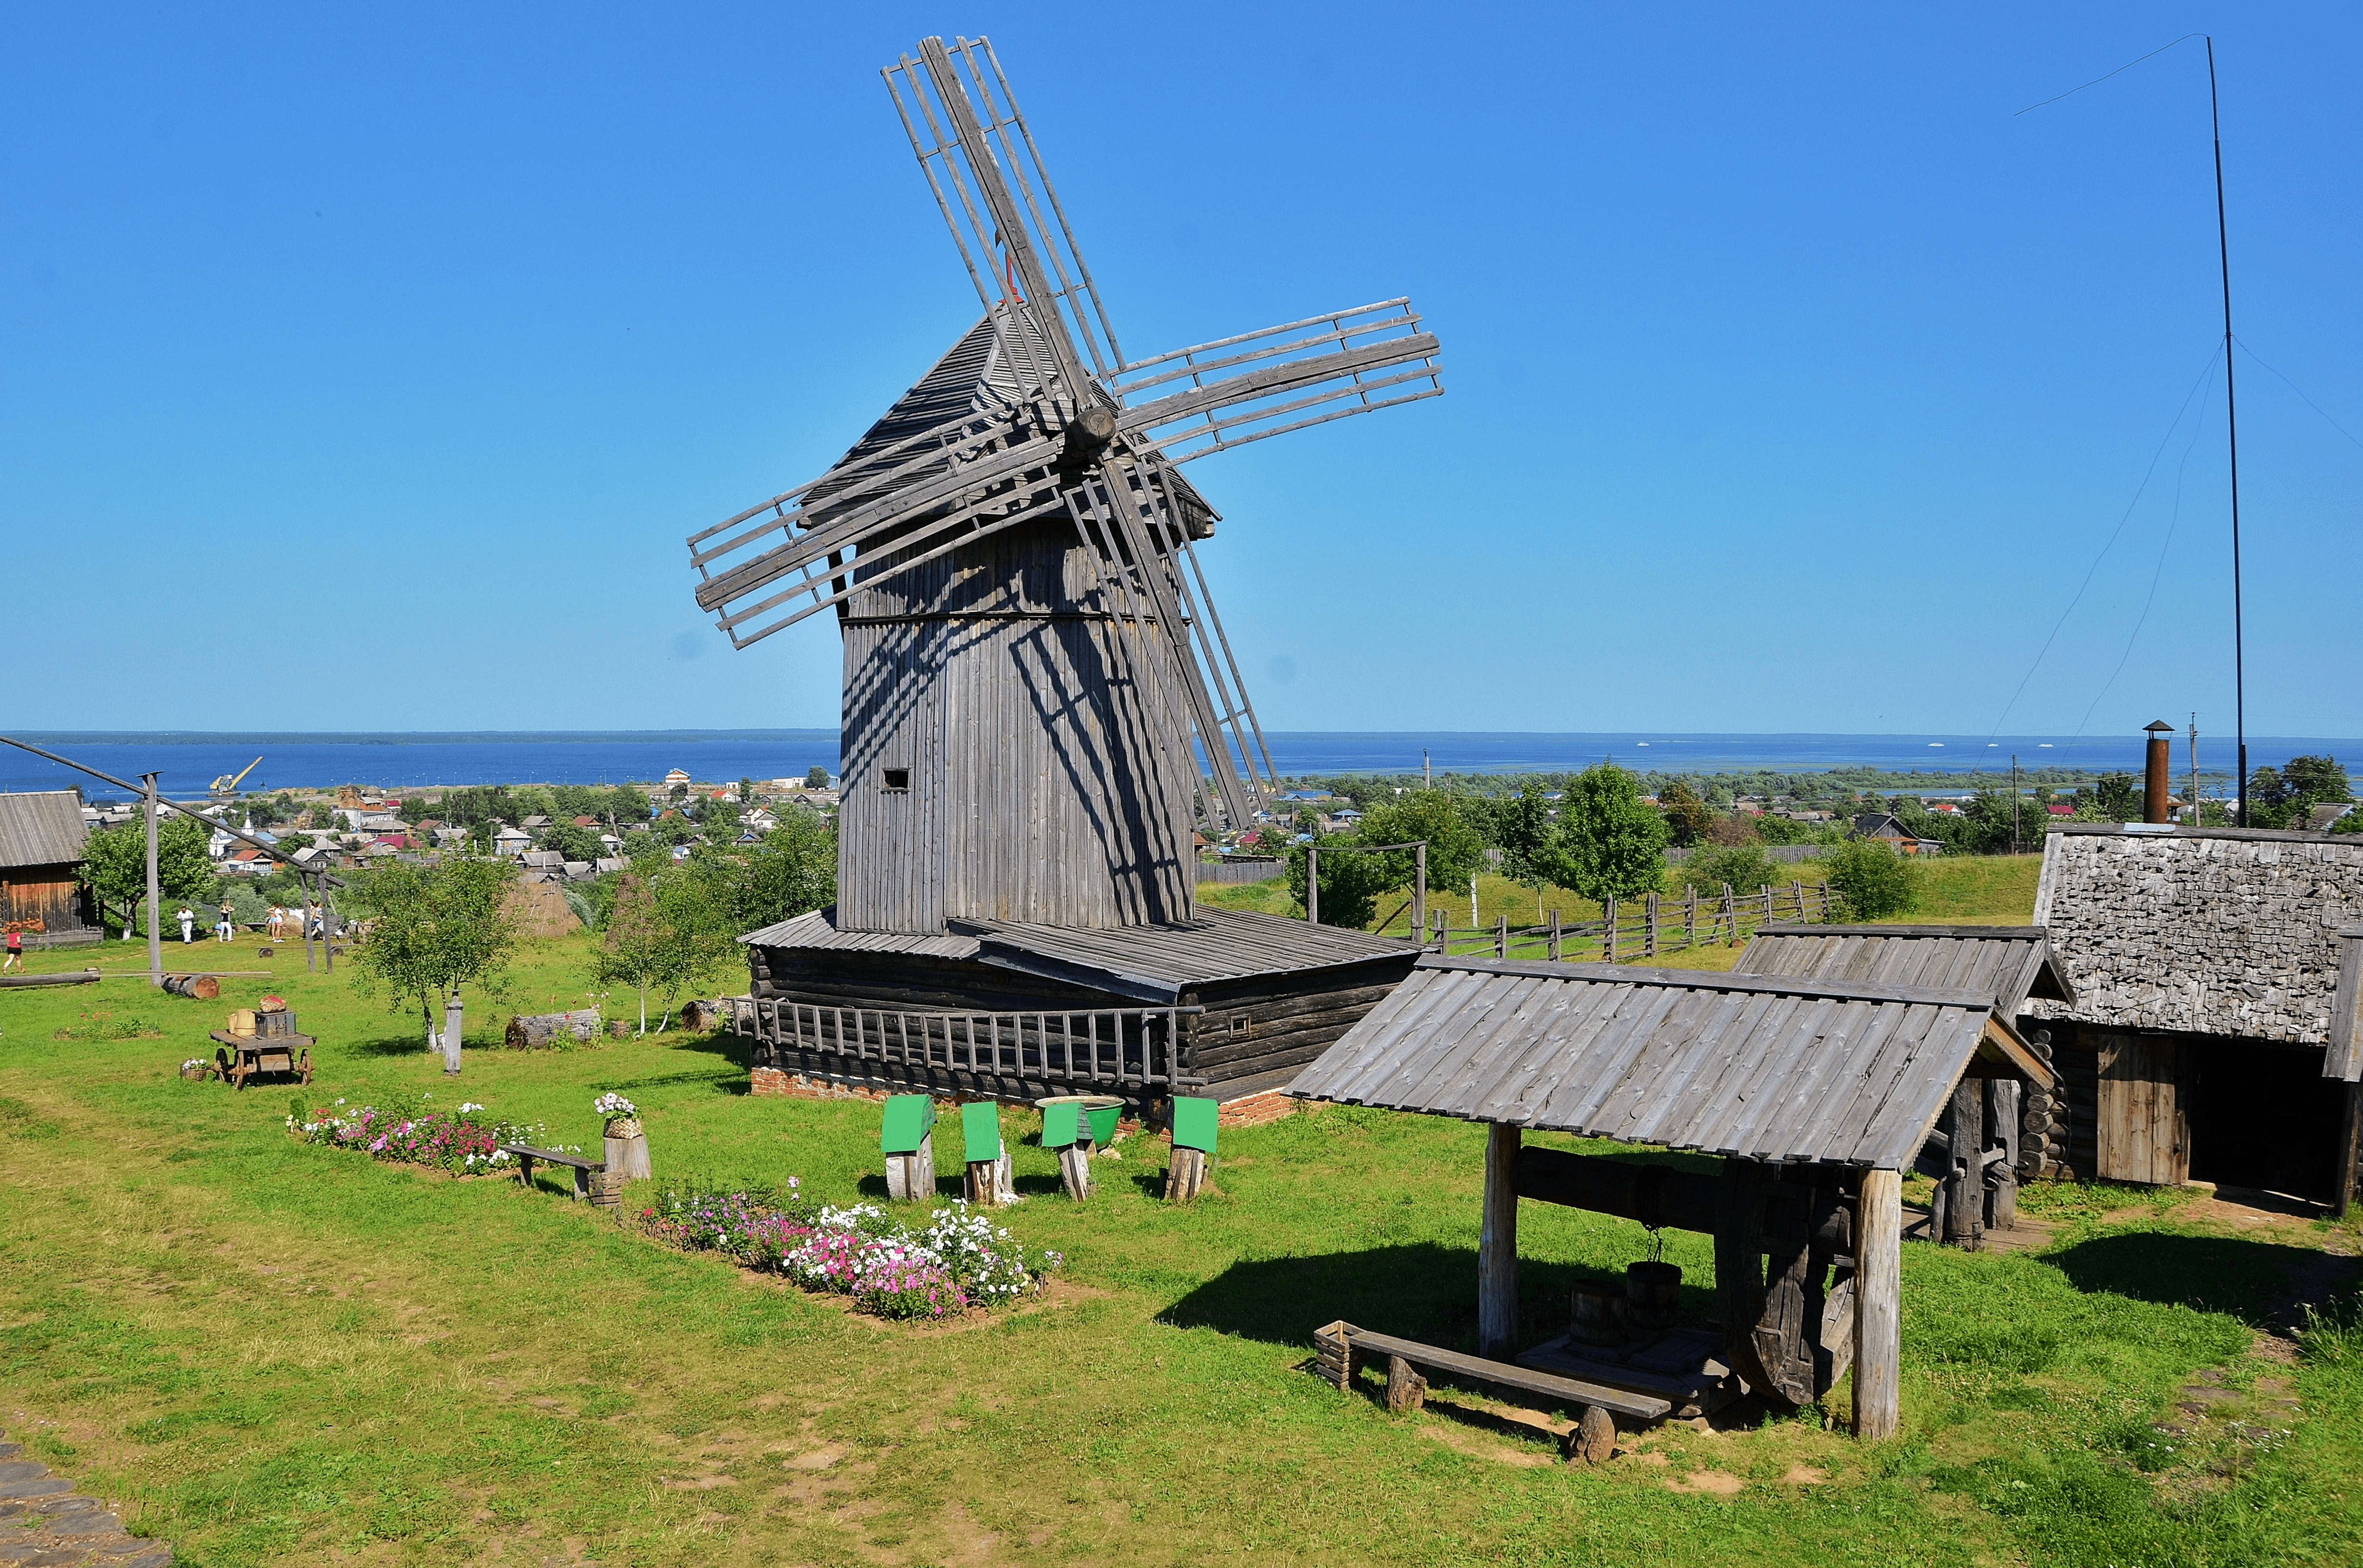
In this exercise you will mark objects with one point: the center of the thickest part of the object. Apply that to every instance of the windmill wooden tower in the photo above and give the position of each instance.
(1040, 706)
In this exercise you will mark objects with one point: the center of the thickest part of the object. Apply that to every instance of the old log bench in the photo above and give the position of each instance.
(585, 1171)
(1596, 1405)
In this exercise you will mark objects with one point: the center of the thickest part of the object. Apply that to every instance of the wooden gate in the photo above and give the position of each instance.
(2144, 1125)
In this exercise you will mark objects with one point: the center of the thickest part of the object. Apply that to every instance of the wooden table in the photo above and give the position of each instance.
(248, 1054)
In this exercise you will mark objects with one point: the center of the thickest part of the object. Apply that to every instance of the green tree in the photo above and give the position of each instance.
(2286, 798)
(114, 870)
(816, 777)
(1743, 868)
(1351, 879)
(574, 842)
(1686, 815)
(1528, 840)
(1874, 880)
(435, 929)
(1610, 845)
(2112, 799)
(793, 871)
(667, 931)
(1455, 852)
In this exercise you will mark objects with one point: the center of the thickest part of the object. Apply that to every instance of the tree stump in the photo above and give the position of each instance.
(1593, 1438)
(1185, 1172)
(990, 1184)
(627, 1149)
(1075, 1169)
(911, 1178)
(1406, 1389)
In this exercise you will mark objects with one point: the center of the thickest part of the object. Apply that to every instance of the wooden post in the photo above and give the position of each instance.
(1729, 914)
(1608, 938)
(1767, 903)
(1075, 1169)
(2001, 1128)
(2350, 1135)
(1313, 884)
(1554, 936)
(303, 915)
(453, 1015)
(1690, 916)
(1650, 938)
(1443, 935)
(1419, 887)
(155, 899)
(1965, 1189)
(1500, 936)
(1497, 1245)
(1877, 1305)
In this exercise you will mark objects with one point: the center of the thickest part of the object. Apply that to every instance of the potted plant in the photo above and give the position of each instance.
(628, 1144)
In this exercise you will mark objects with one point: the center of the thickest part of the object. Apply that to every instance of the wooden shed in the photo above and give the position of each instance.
(1816, 1094)
(41, 834)
(1228, 1006)
(2206, 1039)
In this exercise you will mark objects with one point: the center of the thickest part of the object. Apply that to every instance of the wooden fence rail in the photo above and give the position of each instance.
(1627, 934)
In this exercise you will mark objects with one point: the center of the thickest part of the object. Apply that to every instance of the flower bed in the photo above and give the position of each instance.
(459, 1141)
(957, 1262)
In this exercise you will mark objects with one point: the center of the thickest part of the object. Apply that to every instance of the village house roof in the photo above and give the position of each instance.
(586, 821)
(1762, 1067)
(535, 823)
(2010, 962)
(41, 827)
(2211, 931)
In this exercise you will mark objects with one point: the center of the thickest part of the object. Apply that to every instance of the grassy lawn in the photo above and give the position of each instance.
(268, 1352)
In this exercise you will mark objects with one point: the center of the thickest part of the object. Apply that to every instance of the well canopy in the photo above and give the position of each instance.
(1769, 1068)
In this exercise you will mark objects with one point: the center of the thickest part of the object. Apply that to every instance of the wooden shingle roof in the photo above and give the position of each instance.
(1767, 1068)
(2010, 962)
(41, 827)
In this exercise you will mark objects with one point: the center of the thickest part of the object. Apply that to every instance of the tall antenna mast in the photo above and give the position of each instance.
(2231, 425)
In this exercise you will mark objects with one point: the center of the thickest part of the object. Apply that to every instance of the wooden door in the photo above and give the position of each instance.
(2145, 1129)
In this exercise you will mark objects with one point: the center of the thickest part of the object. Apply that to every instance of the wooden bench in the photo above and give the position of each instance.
(583, 1169)
(1341, 1345)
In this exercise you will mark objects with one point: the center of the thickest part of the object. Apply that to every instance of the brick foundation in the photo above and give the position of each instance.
(1254, 1110)
(808, 1086)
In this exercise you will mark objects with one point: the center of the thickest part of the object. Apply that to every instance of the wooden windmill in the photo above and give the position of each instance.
(1039, 703)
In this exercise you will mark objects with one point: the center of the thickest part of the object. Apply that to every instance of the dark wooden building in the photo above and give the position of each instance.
(1228, 1006)
(41, 835)
(2205, 1041)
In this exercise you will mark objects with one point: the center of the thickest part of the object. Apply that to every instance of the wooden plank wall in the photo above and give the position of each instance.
(1255, 1034)
(2143, 1127)
(1038, 791)
(50, 894)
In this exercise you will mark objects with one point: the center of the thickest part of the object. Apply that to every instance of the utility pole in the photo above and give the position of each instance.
(155, 904)
(1426, 771)
(2232, 430)
(2013, 803)
(2196, 814)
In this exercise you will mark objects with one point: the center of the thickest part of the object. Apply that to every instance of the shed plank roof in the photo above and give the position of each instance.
(1772, 1067)
(2011, 962)
(41, 827)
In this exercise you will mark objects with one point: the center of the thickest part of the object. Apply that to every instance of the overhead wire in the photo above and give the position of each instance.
(2119, 71)
(2292, 386)
(2206, 372)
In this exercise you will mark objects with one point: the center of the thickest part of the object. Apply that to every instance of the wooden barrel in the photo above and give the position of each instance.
(1653, 1295)
(1595, 1305)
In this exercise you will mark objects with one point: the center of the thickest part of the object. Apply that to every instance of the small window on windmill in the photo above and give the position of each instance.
(898, 781)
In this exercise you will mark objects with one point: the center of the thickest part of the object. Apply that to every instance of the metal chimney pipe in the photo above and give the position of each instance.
(2154, 778)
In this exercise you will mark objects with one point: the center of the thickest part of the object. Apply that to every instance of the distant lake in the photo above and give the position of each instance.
(189, 761)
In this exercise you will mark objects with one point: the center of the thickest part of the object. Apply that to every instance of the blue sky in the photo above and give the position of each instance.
(364, 370)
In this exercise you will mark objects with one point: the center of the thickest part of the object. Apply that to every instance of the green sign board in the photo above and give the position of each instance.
(980, 1129)
(909, 1119)
(1193, 1123)
(1062, 1124)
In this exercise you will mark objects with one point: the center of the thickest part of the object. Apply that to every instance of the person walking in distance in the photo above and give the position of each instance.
(188, 918)
(15, 948)
(226, 927)
(278, 921)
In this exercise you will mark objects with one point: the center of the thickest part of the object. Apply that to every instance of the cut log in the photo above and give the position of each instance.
(203, 987)
(1406, 1389)
(1185, 1172)
(911, 1178)
(1592, 1440)
(63, 977)
(1075, 1170)
(533, 1032)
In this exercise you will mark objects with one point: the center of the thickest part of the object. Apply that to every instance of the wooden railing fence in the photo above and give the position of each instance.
(1105, 1048)
(1630, 933)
